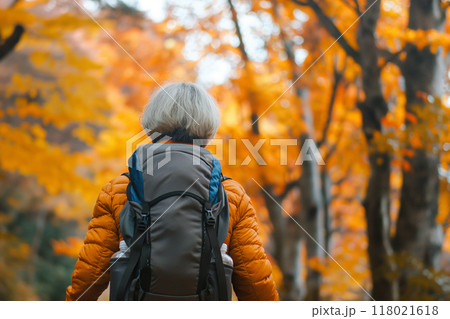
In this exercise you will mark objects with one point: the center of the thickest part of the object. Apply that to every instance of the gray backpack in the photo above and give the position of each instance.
(174, 223)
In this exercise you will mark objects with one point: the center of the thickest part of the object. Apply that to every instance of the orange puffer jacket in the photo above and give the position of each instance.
(252, 276)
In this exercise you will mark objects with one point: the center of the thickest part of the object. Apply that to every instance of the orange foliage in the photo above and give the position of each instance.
(71, 247)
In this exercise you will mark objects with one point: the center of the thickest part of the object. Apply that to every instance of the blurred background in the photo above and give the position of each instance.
(368, 81)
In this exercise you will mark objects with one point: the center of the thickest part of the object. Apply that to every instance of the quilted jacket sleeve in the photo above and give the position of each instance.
(90, 278)
(252, 276)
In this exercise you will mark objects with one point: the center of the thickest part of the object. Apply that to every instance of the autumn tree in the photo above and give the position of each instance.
(305, 230)
(418, 235)
(70, 99)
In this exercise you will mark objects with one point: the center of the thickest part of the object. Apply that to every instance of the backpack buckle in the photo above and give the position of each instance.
(143, 222)
(210, 220)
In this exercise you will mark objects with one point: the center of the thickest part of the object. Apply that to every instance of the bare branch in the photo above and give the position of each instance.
(302, 3)
(337, 80)
(357, 7)
(254, 115)
(287, 44)
(391, 57)
(13, 4)
(10, 43)
(332, 29)
(334, 147)
(238, 30)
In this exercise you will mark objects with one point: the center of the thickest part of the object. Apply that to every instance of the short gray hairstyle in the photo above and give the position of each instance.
(182, 111)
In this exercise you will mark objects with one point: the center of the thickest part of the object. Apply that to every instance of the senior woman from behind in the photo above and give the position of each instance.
(186, 113)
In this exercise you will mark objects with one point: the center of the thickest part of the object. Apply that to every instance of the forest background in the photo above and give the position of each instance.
(367, 81)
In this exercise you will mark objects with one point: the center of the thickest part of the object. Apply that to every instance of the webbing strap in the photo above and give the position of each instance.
(204, 260)
(220, 269)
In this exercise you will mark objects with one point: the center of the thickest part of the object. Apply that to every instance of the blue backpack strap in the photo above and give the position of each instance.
(136, 179)
(216, 174)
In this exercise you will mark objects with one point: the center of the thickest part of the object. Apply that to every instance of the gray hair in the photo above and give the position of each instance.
(182, 111)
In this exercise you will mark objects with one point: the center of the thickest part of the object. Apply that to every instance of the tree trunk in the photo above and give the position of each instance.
(293, 284)
(325, 182)
(311, 216)
(286, 245)
(373, 109)
(312, 220)
(376, 202)
(377, 207)
(418, 236)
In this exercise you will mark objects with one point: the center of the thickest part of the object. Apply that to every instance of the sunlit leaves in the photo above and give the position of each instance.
(71, 247)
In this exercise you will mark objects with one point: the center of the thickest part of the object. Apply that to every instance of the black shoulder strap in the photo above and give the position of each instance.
(214, 244)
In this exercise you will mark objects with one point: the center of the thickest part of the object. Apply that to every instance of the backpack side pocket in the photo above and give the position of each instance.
(116, 273)
(213, 284)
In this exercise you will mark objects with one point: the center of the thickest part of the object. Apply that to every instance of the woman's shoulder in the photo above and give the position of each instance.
(235, 191)
(117, 189)
(118, 185)
(113, 196)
